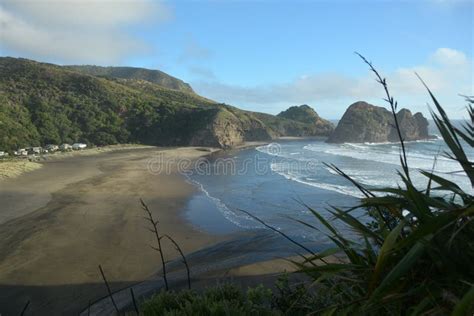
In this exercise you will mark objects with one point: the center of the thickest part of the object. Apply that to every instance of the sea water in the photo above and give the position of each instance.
(279, 182)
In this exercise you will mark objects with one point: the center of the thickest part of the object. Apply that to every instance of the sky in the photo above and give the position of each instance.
(263, 55)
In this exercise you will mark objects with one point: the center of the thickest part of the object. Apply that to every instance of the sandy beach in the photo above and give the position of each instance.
(60, 221)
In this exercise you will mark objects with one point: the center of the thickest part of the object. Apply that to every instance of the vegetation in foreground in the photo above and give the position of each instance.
(415, 258)
(227, 299)
(220, 300)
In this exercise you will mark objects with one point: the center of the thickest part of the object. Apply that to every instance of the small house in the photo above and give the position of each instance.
(52, 148)
(79, 146)
(65, 147)
(34, 150)
(21, 152)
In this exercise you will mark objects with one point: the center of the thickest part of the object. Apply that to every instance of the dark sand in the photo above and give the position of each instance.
(58, 223)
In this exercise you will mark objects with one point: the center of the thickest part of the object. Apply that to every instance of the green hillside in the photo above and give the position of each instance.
(43, 103)
(153, 76)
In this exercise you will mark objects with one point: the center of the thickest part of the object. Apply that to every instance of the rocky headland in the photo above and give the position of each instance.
(363, 122)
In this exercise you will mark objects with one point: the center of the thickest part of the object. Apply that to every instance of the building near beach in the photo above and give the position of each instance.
(52, 148)
(79, 146)
(64, 147)
(21, 152)
(35, 150)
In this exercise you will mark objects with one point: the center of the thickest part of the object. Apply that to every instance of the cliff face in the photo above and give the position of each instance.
(226, 128)
(363, 122)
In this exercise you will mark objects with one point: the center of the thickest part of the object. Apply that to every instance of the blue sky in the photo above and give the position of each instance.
(262, 55)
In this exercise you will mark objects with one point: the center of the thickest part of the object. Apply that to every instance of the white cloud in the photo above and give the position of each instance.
(309, 87)
(447, 72)
(449, 57)
(93, 31)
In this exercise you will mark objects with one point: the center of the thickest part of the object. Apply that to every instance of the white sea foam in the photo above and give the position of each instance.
(262, 149)
(368, 175)
(346, 190)
(357, 146)
(319, 147)
(331, 170)
(415, 160)
(398, 143)
(272, 149)
(284, 154)
(221, 206)
(342, 189)
(373, 176)
(386, 156)
(367, 178)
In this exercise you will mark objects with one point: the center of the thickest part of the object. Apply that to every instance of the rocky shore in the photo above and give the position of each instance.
(363, 122)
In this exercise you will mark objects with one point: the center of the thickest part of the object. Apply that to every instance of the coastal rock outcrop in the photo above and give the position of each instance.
(364, 122)
(307, 115)
(228, 128)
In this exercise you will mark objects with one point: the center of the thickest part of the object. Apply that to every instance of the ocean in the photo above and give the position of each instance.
(278, 181)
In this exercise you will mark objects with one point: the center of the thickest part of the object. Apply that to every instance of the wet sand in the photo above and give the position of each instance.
(58, 223)
(245, 260)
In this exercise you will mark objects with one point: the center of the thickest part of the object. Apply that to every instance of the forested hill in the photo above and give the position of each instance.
(153, 76)
(44, 103)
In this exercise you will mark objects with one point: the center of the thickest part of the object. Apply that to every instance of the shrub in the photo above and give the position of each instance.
(220, 300)
(419, 263)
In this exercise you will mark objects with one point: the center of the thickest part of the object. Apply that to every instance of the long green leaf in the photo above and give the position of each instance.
(465, 305)
(445, 184)
(384, 254)
(356, 224)
(400, 269)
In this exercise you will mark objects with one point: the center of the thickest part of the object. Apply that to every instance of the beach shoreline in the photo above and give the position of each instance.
(245, 260)
(12, 167)
(59, 222)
